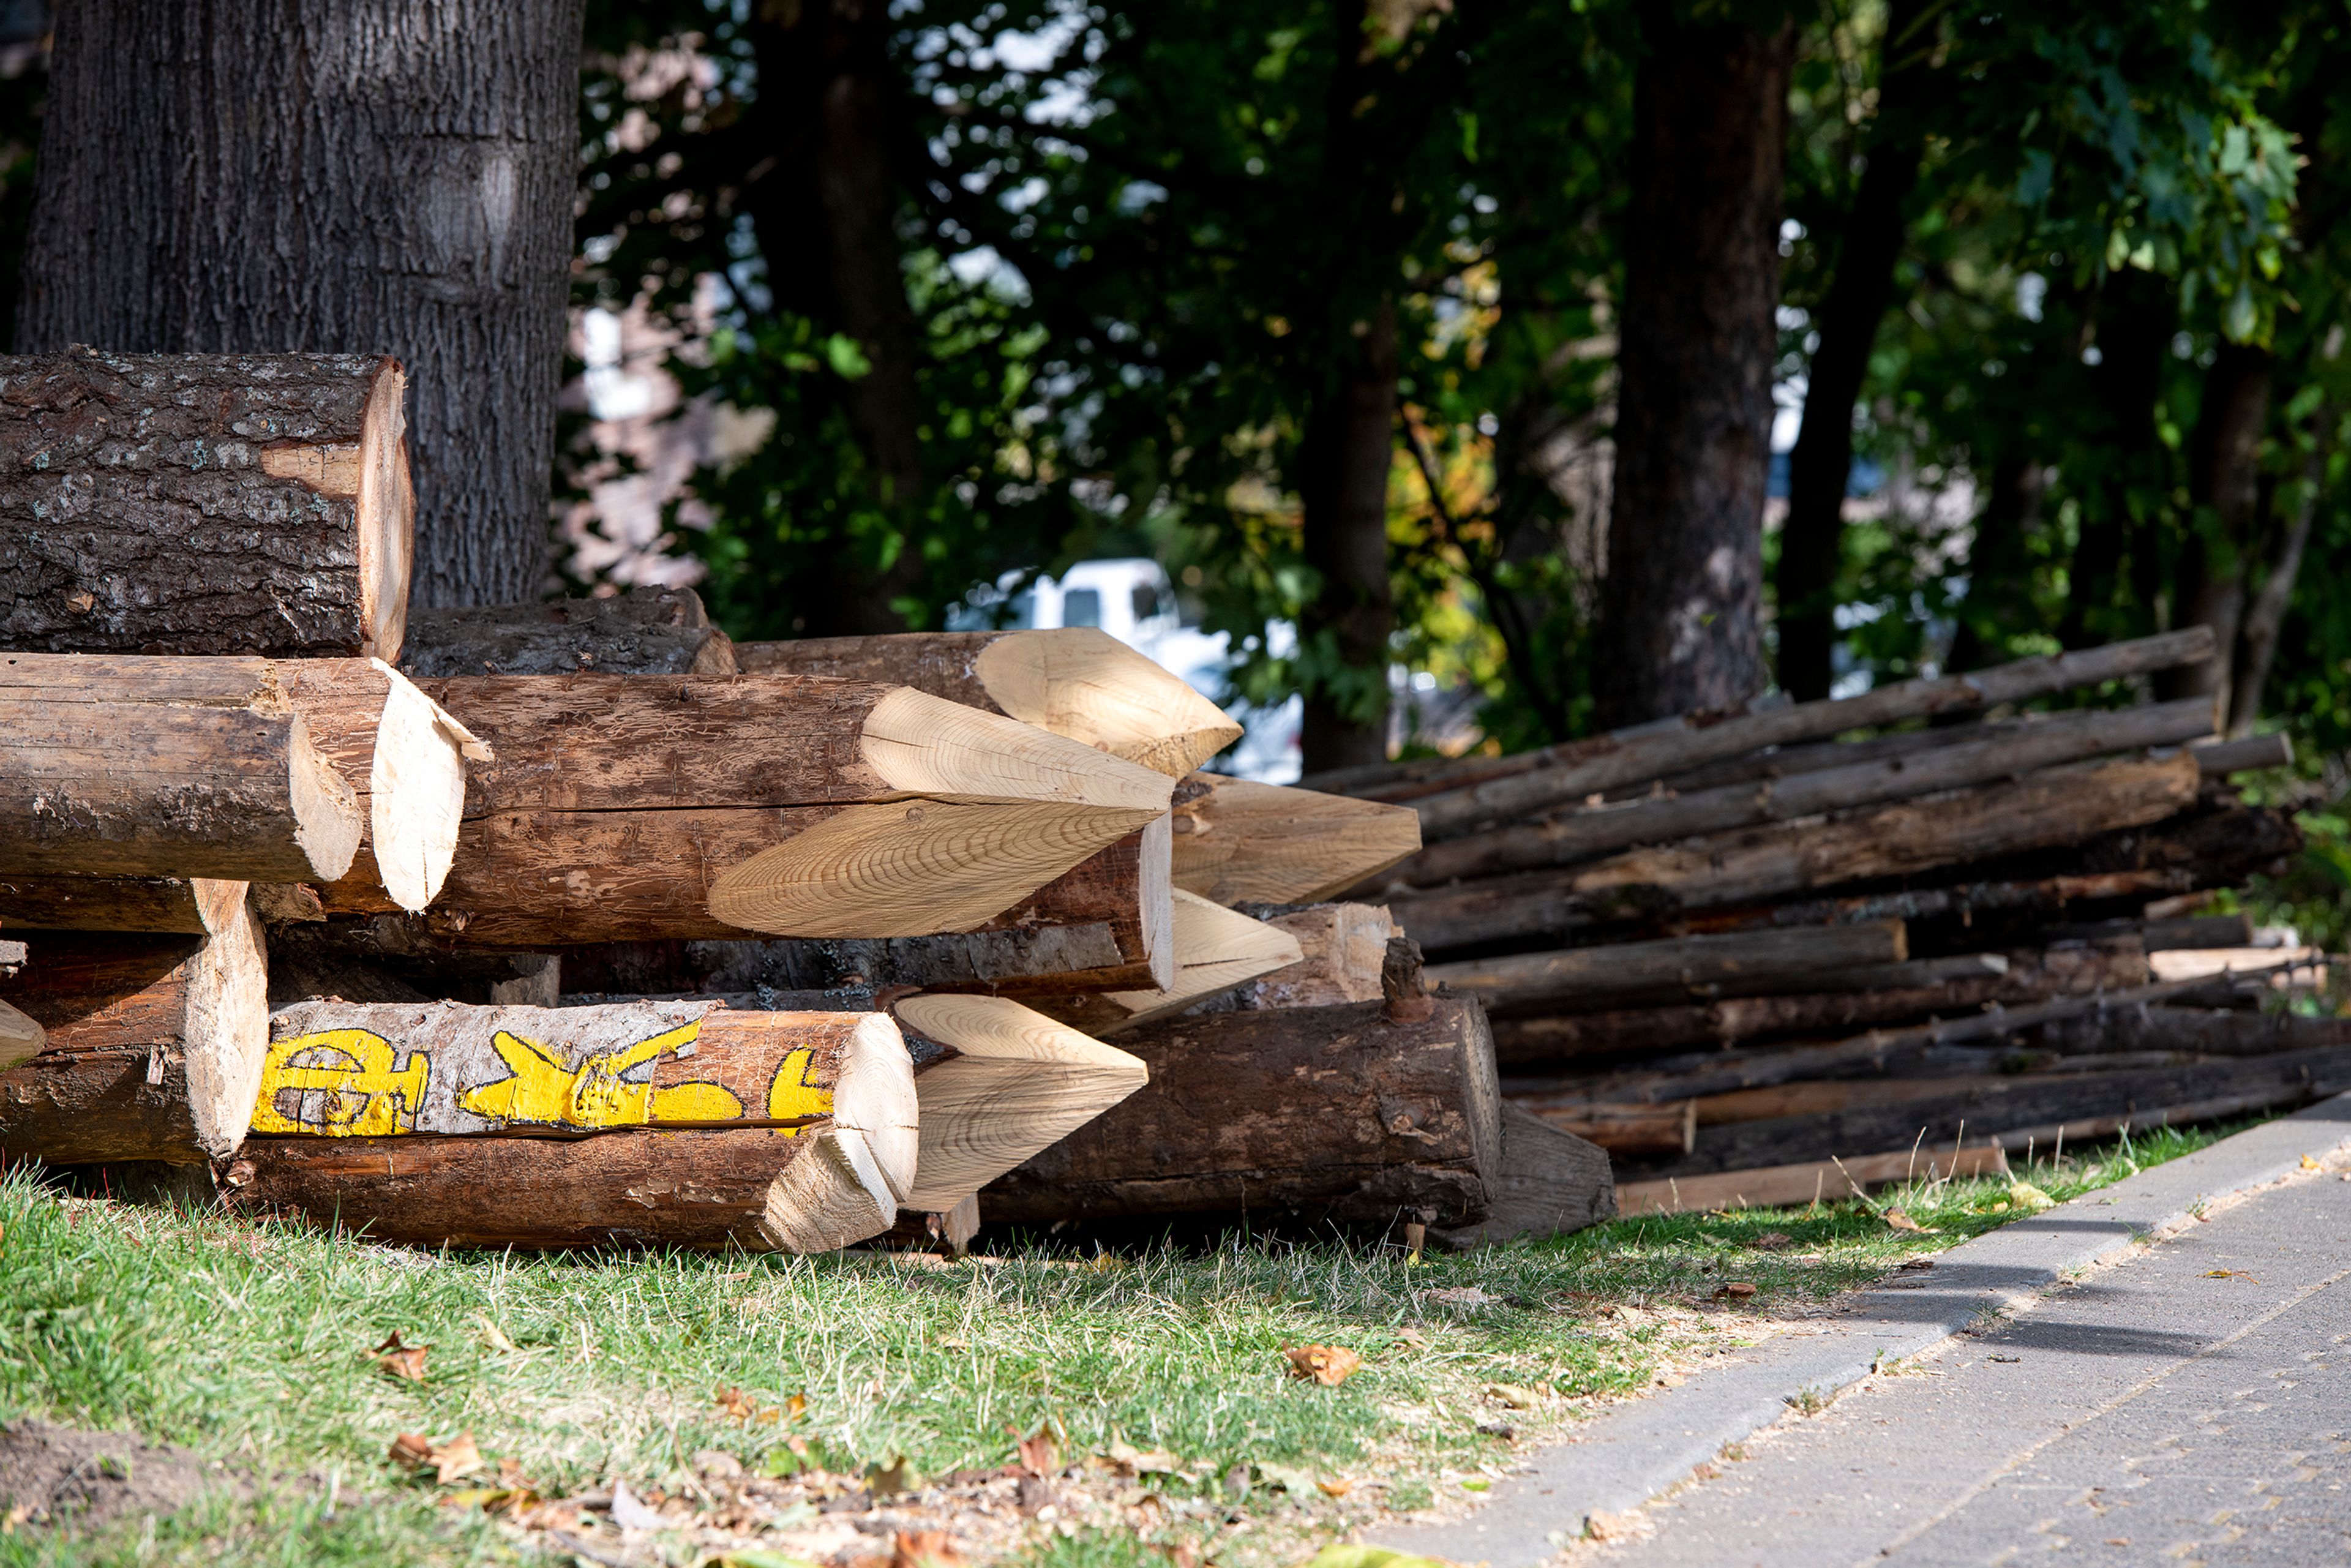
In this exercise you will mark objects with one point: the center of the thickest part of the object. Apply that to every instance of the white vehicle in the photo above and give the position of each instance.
(1135, 600)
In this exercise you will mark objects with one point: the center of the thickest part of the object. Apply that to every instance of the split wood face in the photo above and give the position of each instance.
(192, 504)
(1237, 841)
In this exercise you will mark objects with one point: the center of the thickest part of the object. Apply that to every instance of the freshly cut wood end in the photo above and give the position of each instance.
(924, 744)
(226, 1037)
(912, 869)
(832, 1195)
(387, 514)
(417, 791)
(1021, 1084)
(875, 1097)
(21, 1038)
(1216, 948)
(328, 823)
(1082, 682)
(1156, 893)
(1246, 842)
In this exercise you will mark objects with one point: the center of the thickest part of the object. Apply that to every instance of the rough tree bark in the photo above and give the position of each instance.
(338, 176)
(1812, 539)
(2225, 488)
(830, 111)
(1681, 619)
(2257, 639)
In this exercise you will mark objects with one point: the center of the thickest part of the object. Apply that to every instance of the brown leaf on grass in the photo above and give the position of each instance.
(400, 1359)
(1328, 1364)
(890, 1480)
(1511, 1394)
(1901, 1222)
(1040, 1456)
(455, 1457)
(1737, 1289)
(925, 1549)
(1772, 1241)
(1339, 1488)
(1129, 1459)
(743, 1407)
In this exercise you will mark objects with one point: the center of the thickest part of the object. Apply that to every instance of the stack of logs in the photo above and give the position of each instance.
(577, 924)
(1773, 953)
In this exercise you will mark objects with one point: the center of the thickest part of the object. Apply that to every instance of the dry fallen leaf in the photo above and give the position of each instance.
(1739, 1288)
(1328, 1364)
(631, 1512)
(1511, 1394)
(1901, 1222)
(1040, 1456)
(925, 1549)
(2308, 1164)
(1339, 1488)
(890, 1480)
(455, 1457)
(1463, 1296)
(400, 1360)
(495, 1334)
(1610, 1526)
(1771, 1241)
(1133, 1460)
(1412, 1336)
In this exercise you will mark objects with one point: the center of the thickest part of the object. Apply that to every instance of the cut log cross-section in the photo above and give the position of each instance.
(628, 808)
(1215, 949)
(1237, 841)
(1077, 682)
(154, 1046)
(204, 503)
(97, 779)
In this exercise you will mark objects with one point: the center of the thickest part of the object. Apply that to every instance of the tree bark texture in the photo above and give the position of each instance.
(334, 176)
(2059, 806)
(204, 503)
(1681, 619)
(2225, 490)
(1534, 982)
(789, 1189)
(154, 1049)
(645, 632)
(1812, 539)
(1339, 1111)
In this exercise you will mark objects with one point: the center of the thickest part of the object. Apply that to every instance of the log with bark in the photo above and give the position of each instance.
(400, 755)
(2018, 978)
(1531, 982)
(645, 632)
(152, 789)
(1548, 1182)
(1573, 769)
(1626, 1132)
(1077, 682)
(641, 806)
(2058, 806)
(204, 503)
(1237, 841)
(1352, 1113)
(1344, 953)
(1215, 949)
(153, 1047)
(1583, 834)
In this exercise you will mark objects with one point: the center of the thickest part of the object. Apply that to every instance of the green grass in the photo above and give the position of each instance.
(253, 1345)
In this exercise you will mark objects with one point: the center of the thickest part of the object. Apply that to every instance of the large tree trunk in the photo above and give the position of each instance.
(1344, 494)
(1812, 539)
(2257, 639)
(2225, 488)
(339, 176)
(829, 111)
(1681, 619)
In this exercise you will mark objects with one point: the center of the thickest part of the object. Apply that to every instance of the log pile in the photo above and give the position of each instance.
(1917, 925)
(589, 928)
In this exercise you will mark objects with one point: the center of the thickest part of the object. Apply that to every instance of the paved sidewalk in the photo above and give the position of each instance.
(1623, 1458)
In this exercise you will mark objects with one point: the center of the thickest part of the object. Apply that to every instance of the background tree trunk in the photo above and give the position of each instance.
(2265, 611)
(829, 112)
(2136, 315)
(2225, 488)
(1680, 623)
(1350, 443)
(1812, 540)
(336, 176)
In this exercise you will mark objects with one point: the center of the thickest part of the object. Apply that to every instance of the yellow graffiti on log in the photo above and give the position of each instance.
(345, 1084)
(594, 1094)
(791, 1096)
(696, 1102)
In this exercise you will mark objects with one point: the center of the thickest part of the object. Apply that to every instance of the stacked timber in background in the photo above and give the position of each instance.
(1766, 946)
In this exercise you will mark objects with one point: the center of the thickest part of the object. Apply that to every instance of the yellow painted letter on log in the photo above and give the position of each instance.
(595, 1094)
(342, 1084)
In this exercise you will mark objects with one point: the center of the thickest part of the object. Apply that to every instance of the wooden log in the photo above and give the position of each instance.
(1822, 1181)
(2191, 1030)
(1079, 682)
(1348, 1111)
(1583, 834)
(2181, 933)
(1342, 947)
(1215, 949)
(2000, 1103)
(129, 789)
(401, 757)
(154, 1043)
(1631, 1131)
(794, 1189)
(1242, 843)
(791, 805)
(2255, 754)
(2060, 806)
(173, 905)
(1459, 795)
(645, 632)
(1530, 982)
(344, 1070)
(1549, 1183)
(204, 503)
(1961, 901)
(1924, 988)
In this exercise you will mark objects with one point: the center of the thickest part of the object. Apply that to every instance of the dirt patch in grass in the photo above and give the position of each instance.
(56, 1476)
